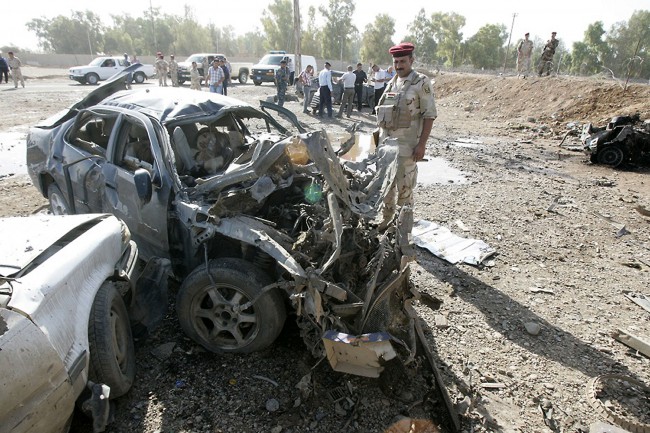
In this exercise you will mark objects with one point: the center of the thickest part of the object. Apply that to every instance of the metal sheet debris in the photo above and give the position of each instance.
(363, 355)
(641, 300)
(448, 246)
(632, 341)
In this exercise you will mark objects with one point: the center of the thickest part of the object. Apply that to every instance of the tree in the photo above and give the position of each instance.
(277, 22)
(629, 43)
(251, 43)
(446, 30)
(485, 48)
(311, 36)
(377, 39)
(335, 35)
(82, 33)
(421, 34)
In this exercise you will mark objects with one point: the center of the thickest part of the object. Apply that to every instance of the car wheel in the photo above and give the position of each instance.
(209, 307)
(112, 354)
(611, 155)
(139, 77)
(58, 203)
(181, 81)
(257, 83)
(92, 79)
(243, 77)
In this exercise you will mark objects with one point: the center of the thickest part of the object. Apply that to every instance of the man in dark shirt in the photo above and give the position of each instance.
(358, 85)
(226, 73)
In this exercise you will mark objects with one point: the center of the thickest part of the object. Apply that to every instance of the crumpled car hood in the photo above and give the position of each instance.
(19, 249)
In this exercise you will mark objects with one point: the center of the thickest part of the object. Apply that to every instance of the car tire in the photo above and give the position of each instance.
(257, 83)
(611, 155)
(92, 79)
(206, 306)
(181, 81)
(112, 353)
(243, 77)
(139, 77)
(58, 204)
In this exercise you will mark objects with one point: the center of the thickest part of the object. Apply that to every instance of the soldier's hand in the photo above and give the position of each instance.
(418, 153)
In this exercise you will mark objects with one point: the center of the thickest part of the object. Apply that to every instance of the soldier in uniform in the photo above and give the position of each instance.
(195, 77)
(173, 70)
(546, 62)
(405, 115)
(524, 51)
(161, 69)
(15, 64)
(282, 81)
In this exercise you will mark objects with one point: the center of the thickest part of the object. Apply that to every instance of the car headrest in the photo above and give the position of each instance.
(138, 132)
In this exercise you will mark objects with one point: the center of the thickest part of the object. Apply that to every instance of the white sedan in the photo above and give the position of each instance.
(65, 335)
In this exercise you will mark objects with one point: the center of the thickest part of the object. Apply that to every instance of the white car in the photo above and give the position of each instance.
(65, 334)
(102, 68)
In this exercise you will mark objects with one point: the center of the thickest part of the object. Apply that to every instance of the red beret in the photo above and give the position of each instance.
(401, 50)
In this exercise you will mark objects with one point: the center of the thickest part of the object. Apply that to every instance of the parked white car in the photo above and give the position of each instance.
(65, 333)
(102, 68)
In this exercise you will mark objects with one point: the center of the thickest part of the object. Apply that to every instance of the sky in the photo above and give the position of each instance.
(568, 18)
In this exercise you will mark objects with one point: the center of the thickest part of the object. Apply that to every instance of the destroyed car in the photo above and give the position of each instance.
(253, 219)
(624, 140)
(65, 335)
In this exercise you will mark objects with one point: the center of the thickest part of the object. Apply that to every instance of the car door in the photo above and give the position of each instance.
(135, 163)
(108, 68)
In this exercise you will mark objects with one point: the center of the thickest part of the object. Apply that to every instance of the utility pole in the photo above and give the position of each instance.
(296, 32)
(153, 27)
(505, 61)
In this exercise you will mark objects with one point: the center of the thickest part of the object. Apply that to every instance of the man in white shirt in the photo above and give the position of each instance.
(379, 76)
(347, 99)
(325, 82)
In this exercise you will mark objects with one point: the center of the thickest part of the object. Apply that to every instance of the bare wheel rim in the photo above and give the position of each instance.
(611, 156)
(219, 318)
(58, 205)
(120, 340)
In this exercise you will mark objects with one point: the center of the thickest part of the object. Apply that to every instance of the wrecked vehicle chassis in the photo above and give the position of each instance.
(278, 221)
(624, 140)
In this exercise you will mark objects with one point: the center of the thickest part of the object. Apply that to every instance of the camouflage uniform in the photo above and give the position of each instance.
(419, 103)
(16, 74)
(547, 56)
(195, 78)
(161, 70)
(281, 81)
(173, 71)
(524, 51)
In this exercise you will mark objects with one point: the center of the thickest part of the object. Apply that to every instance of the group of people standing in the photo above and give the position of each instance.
(525, 51)
(353, 81)
(163, 67)
(13, 64)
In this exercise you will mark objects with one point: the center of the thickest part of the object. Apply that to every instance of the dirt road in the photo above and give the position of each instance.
(519, 340)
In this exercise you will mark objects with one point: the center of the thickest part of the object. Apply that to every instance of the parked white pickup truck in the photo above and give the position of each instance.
(103, 68)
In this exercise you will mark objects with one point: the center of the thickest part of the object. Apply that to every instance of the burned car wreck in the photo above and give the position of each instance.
(624, 140)
(255, 222)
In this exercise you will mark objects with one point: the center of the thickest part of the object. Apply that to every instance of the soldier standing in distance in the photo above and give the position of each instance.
(173, 70)
(161, 69)
(546, 62)
(524, 51)
(282, 81)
